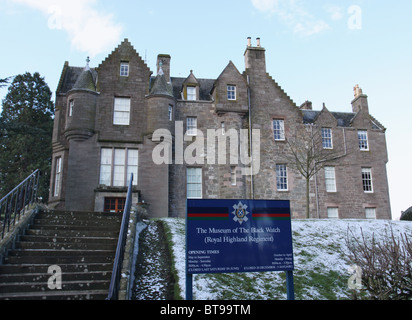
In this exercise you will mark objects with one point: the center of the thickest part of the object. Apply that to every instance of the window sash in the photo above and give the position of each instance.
(370, 213)
(194, 183)
(281, 177)
(330, 179)
(191, 93)
(327, 140)
(367, 180)
(57, 177)
(71, 106)
(121, 111)
(333, 213)
(233, 177)
(170, 112)
(119, 167)
(363, 140)
(191, 126)
(279, 129)
(124, 69)
(132, 165)
(231, 92)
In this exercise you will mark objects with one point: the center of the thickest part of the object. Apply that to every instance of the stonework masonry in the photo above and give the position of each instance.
(107, 117)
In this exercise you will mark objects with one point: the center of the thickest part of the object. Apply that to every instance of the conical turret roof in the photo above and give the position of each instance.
(161, 86)
(85, 81)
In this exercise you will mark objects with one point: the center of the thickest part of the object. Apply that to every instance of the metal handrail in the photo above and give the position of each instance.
(14, 204)
(117, 265)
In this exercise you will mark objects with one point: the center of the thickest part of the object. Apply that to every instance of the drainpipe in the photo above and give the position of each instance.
(252, 190)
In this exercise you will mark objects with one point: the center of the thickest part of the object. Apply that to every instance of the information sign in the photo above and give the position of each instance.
(225, 236)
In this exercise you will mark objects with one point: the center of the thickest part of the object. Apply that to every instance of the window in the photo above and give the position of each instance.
(370, 213)
(279, 129)
(116, 166)
(124, 69)
(191, 93)
(330, 179)
(333, 213)
(327, 138)
(363, 140)
(170, 112)
(367, 180)
(233, 178)
(194, 183)
(132, 165)
(223, 128)
(191, 126)
(119, 167)
(231, 92)
(71, 106)
(57, 177)
(281, 177)
(106, 167)
(115, 205)
(121, 111)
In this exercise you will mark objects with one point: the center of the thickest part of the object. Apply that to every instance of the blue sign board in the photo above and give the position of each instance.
(225, 236)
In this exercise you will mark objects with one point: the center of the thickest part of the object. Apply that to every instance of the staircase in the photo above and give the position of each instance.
(81, 244)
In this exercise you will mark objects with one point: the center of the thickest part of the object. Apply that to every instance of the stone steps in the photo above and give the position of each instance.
(82, 244)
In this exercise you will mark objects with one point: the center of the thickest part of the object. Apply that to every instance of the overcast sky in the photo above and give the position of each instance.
(316, 50)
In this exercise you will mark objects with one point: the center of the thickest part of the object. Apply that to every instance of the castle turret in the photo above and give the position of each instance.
(161, 103)
(81, 107)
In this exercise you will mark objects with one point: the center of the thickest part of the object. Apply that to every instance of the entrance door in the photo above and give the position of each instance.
(115, 205)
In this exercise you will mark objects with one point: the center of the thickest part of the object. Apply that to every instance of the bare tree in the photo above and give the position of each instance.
(385, 264)
(308, 154)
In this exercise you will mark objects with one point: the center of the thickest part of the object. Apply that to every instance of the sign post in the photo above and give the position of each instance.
(230, 236)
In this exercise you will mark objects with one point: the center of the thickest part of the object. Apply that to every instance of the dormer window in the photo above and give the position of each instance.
(191, 93)
(190, 90)
(124, 69)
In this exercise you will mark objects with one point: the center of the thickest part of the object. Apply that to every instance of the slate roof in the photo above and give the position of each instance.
(85, 81)
(205, 88)
(159, 85)
(72, 78)
(344, 118)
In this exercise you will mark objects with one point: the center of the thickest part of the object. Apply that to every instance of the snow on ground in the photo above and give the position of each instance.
(321, 269)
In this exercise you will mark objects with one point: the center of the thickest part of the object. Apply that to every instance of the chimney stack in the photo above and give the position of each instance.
(255, 58)
(307, 105)
(360, 102)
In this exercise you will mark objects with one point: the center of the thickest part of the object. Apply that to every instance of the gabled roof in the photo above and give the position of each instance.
(191, 79)
(344, 119)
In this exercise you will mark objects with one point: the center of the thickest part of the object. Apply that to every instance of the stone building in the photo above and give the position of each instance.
(120, 118)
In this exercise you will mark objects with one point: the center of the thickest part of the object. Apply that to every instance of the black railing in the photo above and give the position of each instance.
(14, 204)
(117, 265)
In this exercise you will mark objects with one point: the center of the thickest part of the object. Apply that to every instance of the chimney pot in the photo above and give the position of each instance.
(358, 91)
(258, 42)
(249, 41)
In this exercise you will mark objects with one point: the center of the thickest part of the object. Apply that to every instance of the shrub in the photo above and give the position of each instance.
(386, 266)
